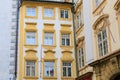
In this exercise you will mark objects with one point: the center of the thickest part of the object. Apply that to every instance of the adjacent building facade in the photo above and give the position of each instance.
(83, 40)
(8, 25)
(46, 44)
(101, 20)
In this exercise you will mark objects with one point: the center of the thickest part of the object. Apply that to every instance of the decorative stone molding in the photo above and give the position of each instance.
(117, 5)
(80, 39)
(67, 56)
(31, 55)
(100, 22)
(98, 10)
(49, 55)
(107, 67)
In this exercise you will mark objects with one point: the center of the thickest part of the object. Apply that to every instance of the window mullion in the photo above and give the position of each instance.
(30, 70)
(102, 44)
(49, 71)
(63, 14)
(67, 71)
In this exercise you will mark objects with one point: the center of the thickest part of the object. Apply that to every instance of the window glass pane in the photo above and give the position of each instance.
(105, 47)
(65, 39)
(64, 71)
(49, 69)
(46, 71)
(100, 50)
(33, 71)
(51, 41)
(48, 12)
(30, 68)
(67, 42)
(30, 38)
(48, 40)
(62, 13)
(78, 21)
(104, 34)
(81, 57)
(69, 71)
(31, 11)
(99, 37)
(66, 14)
(63, 42)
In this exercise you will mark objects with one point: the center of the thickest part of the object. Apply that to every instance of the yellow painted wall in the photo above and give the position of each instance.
(29, 52)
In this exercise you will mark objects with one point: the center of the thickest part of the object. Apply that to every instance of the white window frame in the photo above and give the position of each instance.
(31, 11)
(65, 37)
(49, 67)
(48, 12)
(30, 38)
(31, 66)
(81, 57)
(79, 19)
(48, 36)
(102, 43)
(64, 12)
(66, 67)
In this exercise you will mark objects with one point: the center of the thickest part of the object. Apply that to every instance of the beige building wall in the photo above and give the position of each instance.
(104, 15)
(106, 8)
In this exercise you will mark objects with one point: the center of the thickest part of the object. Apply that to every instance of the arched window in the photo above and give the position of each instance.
(101, 32)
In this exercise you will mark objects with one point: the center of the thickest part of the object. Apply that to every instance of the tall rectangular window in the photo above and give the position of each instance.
(30, 68)
(102, 43)
(48, 38)
(79, 19)
(64, 13)
(30, 11)
(67, 69)
(81, 57)
(66, 39)
(48, 12)
(98, 2)
(31, 38)
(49, 69)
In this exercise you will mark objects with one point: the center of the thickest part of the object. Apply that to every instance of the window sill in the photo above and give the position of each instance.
(78, 29)
(49, 46)
(29, 46)
(67, 47)
(48, 18)
(31, 77)
(49, 77)
(67, 78)
(99, 8)
(65, 19)
(31, 17)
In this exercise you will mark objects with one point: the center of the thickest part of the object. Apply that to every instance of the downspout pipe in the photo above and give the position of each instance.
(16, 43)
(74, 31)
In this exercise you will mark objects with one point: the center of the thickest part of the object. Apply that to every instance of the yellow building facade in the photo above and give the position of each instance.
(46, 44)
(104, 23)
